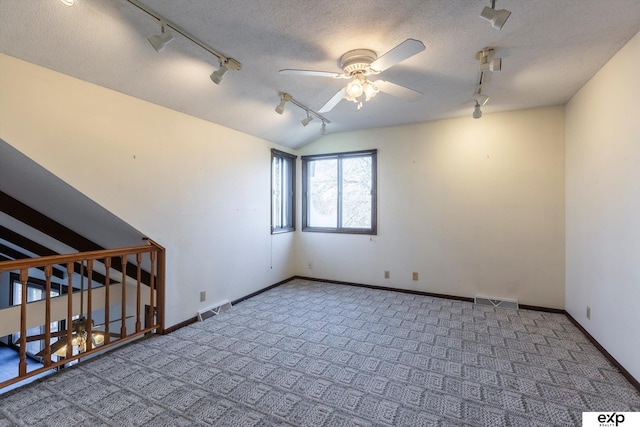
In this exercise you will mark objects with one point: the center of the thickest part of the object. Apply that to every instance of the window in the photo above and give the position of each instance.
(35, 292)
(283, 189)
(339, 192)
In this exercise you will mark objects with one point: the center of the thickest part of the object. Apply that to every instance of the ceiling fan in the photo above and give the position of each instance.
(79, 338)
(79, 328)
(357, 65)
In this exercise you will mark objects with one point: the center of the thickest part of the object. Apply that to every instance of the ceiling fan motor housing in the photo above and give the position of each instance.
(358, 61)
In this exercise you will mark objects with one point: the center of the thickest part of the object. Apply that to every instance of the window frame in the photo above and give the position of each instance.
(291, 199)
(373, 230)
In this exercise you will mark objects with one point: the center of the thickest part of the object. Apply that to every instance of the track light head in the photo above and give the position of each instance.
(323, 129)
(480, 98)
(494, 65)
(487, 60)
(284, 98)
(159, 41)
(216, 76)
(497, 18)
(307, 119)
(477, 112)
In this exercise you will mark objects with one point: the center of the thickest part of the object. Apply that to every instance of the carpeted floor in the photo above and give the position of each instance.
(317, 354)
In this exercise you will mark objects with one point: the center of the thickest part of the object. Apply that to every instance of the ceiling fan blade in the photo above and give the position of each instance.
(313, 73)
(403, 51)
(333, 101)
(61, 343)
(100, 325)
(42, 336)
(398, 91)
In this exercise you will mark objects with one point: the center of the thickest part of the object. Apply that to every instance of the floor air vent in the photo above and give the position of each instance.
(212, 311)
(496, 302)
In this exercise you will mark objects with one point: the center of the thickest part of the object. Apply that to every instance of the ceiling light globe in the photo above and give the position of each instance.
(68, 2)
(370, 90)
(355, 88)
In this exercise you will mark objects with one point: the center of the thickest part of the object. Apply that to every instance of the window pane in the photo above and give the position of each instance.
(340, 192)
(283, 169)
(276, 186)
(286, 194)
(356, 192)
(323, 193)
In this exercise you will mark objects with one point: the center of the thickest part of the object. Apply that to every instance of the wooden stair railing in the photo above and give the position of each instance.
(97, 298)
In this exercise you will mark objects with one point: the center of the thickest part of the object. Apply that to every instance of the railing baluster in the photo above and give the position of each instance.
(139, 275)
(70, 271)
(107, 283)
(89, 324)
(161, 287)
(48, 271)
(152, 257)
(123, 314)
(22, 365)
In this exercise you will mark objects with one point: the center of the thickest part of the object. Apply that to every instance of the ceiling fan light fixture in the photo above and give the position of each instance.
(477, 112)
(497, 18)
(360, 90)
(97, 338)
(159, 41)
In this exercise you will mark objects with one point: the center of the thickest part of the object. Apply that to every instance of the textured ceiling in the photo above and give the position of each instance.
(549, 50)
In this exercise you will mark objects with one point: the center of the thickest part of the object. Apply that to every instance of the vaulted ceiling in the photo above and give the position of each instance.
(549, 49)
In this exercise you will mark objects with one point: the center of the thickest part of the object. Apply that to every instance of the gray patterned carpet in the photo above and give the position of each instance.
(317, 354)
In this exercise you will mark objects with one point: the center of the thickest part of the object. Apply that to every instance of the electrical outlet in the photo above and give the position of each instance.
(387, 274)
(203, 296)
(588, 312)
(415, 275)
(310, 265)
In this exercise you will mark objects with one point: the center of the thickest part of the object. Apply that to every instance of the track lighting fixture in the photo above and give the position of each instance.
(284, 98)
(487, 63)
(159, 41)
(307, 119)
(477, 112)
(497, 18)
(68, 2)
(165, 37)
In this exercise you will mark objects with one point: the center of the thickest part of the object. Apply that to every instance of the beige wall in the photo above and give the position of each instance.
(473, 206)
(199, 189)
(603, 206)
